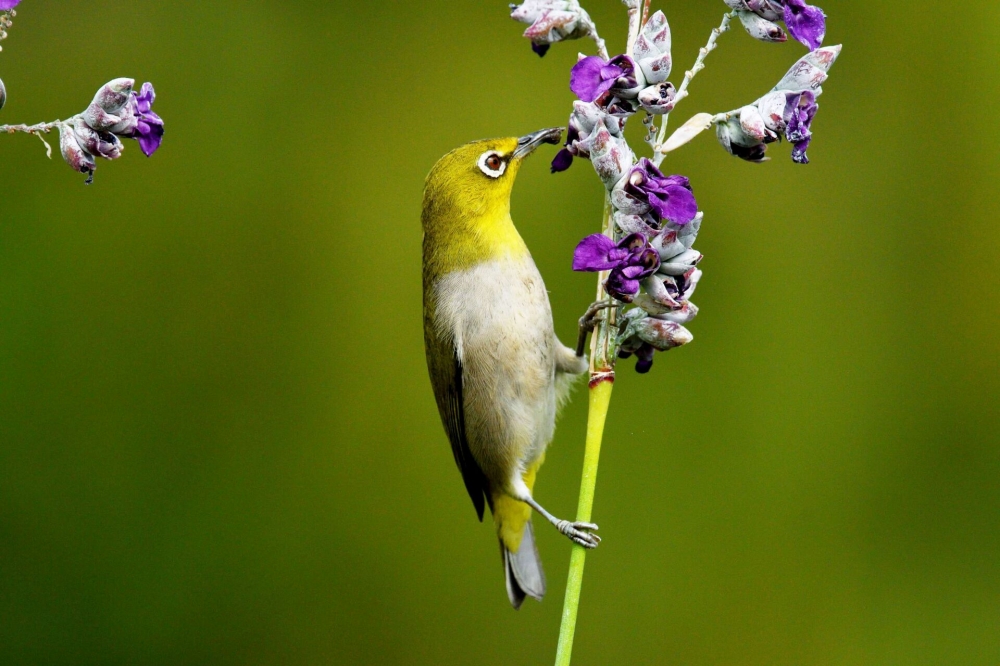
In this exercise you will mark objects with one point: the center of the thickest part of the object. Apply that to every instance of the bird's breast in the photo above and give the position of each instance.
(500, 305)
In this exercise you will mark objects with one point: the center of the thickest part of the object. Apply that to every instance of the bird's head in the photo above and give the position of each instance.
(474, 181)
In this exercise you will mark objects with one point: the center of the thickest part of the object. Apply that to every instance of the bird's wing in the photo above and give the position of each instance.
(446, 377)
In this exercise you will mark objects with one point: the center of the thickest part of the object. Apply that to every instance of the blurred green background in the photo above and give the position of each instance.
(218, 444)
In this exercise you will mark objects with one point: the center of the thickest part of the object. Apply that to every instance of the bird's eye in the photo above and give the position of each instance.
(492, 164)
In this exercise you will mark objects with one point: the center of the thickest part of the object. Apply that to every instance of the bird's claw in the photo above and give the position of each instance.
(580, 533)
(589, 319)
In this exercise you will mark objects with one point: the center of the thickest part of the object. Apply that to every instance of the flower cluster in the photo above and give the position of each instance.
(623, 84)
(785, 112)
(806, 23)
(551, 21)
(646, 255)
(116, 112)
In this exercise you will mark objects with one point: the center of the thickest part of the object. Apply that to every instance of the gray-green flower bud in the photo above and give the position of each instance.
(74, 154)
(113, 95)
(652, 49)
(761, 28)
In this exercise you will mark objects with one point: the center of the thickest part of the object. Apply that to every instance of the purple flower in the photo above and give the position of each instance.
(806, 23)
(799, 113)
(629, 261)
(149, 128)
(592, 77)
(8, 4)
(669, 197)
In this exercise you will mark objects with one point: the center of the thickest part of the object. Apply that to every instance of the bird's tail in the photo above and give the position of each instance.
(523, 569)
(522, 566)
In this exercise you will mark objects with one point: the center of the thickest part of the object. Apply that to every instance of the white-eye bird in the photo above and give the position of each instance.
(498, 370)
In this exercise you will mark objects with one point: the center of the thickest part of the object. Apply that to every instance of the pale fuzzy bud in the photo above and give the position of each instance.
(737, 142)
(635, 224)
(697, 124)
(662, 335)
(667, 245)
(112, 95)
(98, 118)
(652, 49)
(682, 263)
(3, 94)
(687, 312)
(752, 122)
(103, 144)
(810, 71)
(761, 28)
(687, 233)
(611, 157)
(658, 99)
(128, 119)
(656, 298)
(772, 110)
(74, 154)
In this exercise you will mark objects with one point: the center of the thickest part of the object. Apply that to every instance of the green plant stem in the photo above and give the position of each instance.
(603, 352)
(600, 398)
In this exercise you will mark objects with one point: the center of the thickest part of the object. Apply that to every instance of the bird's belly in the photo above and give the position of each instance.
(501, 321)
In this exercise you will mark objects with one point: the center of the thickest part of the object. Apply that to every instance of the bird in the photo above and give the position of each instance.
(498, 371)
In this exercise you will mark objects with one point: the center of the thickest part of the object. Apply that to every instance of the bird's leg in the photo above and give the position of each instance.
(580, 533)
(589, 320)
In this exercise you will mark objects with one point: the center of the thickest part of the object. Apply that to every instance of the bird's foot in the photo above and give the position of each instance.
(589, 320)
(580, 533)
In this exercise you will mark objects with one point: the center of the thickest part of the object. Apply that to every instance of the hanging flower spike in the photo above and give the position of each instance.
(629, 261)
(592, 77)
(551, 21)
(787, 111)
(806, 23)
(647, 190)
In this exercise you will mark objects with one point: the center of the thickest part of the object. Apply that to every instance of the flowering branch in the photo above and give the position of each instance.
(644, 257)
(116, 112)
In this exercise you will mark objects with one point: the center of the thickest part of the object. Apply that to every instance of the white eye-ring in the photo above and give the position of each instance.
(492, 164)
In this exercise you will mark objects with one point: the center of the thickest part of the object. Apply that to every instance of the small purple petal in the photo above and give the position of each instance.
(676, 204)
(562, 161)
(540, 49)
(8, 4)
(806, 23)
(621, 286)
(592, 254)
(585, 79)
(799, 151)
(644, 358)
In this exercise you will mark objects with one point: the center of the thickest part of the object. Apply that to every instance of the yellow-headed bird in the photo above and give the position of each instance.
(498, 370)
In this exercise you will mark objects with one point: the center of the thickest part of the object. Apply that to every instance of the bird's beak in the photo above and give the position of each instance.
(527, 144)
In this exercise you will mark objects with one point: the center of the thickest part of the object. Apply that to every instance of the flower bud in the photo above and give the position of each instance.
(667, 244)
(74, 154)
(551, 21)
(636, 224)
(652, 49)
(98, 118)
(103, 144)
(682, 263)
(737, 142)
(810, 71)
(658, 99)
(112, 96)
(752, 123)
(761, 28)
(687, 233)
(687, 312)
(3, 94)
(660, 334)
(611, 157)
